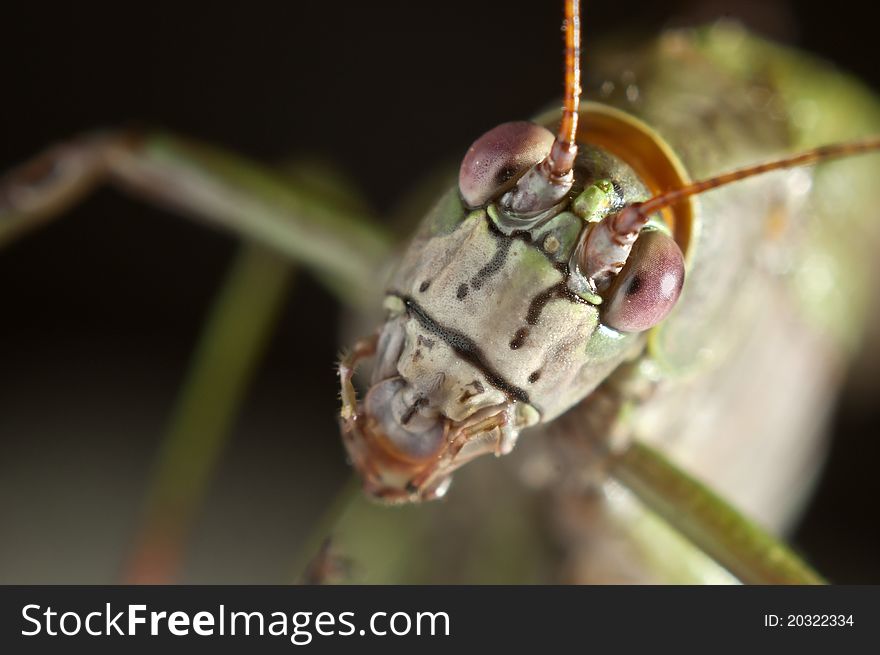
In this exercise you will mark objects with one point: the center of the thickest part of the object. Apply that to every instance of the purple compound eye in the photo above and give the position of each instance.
(499, 158)
(648, 286)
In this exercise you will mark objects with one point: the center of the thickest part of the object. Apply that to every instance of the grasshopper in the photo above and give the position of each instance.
(594, 470)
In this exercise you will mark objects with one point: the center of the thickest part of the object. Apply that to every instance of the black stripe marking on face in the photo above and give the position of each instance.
(464, 347)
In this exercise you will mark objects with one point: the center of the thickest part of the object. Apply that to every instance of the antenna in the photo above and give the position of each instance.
(560, 161)
(546, 183)
(608, 244)
(634, 216)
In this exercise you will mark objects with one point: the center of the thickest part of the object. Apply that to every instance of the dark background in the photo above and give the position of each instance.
(100, 311)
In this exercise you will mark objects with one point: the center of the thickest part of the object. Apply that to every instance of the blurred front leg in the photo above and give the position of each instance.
(316, 229)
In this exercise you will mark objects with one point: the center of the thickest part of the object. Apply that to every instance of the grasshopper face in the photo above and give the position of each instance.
(491, 327)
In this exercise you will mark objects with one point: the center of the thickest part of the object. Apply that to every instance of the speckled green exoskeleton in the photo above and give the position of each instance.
(510, 311)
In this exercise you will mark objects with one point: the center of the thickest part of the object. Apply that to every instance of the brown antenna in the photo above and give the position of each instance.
(546, 183)
(562, 155)
(607, 245)
(633, 217)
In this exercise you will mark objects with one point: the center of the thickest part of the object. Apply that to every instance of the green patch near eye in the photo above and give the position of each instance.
(594, 202)
(447, 214)
(558, 236)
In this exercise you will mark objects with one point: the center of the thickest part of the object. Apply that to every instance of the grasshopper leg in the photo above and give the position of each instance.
(340, 245)
(305, 222)
(710, 523)
(643, 500)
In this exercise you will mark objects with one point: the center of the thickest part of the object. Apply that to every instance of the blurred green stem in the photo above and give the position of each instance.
(234, 338)
(322, 532)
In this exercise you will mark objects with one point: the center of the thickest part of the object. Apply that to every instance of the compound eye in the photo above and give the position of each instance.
(648, 286)
(499, 158)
